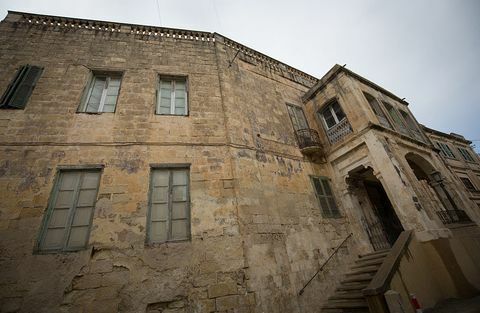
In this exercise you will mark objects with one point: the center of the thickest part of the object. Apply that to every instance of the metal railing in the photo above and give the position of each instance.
(453, 216)
(377, 235)
(308, 138)
(324, 264)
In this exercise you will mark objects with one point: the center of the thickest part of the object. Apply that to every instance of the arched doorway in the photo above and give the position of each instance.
(432, 185)
(379, 218)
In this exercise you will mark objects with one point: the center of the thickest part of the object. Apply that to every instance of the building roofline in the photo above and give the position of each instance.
(149, 29)
(442, 134)
(334, 71)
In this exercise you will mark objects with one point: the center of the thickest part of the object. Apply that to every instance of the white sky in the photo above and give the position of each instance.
(427, 51)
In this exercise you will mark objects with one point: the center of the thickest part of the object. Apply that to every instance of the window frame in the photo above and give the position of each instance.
(466, 154)
(51, 202)
(16, 82)
(169, 167)
(88, 89)
(173, 78)
(469, 182)
(329, 106)
(331, 213)
(445, 150)
(381, 108)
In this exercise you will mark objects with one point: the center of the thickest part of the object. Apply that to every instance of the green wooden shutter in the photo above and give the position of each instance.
(25, 87)
(325, 197)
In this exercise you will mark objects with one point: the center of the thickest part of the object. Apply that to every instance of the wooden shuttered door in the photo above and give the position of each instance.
(70, 213)
(21, 87)
(169, 217)
(298, 117)
(325, 197)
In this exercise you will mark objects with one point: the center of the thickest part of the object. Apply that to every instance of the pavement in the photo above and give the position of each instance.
(471, 305)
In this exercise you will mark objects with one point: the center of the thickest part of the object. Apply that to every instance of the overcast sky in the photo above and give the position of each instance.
(427, 51)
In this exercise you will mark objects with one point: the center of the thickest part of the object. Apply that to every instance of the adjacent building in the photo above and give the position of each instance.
(148, 169)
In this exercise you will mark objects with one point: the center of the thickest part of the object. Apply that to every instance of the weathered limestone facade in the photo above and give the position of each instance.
(257, 233)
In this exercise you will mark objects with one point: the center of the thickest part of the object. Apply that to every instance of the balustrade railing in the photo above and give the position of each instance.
(453, 216)
(339, 131)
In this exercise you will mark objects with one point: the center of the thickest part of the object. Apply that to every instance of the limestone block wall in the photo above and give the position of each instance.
(118, 271)
(286, 238)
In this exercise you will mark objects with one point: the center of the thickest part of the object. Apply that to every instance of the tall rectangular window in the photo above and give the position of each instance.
(412, 125)
(468, 184)
(325, 196)
(297, 117)
(399, 124)
(102, 93)
(382, 118)
(172, 96)
(20, 88)
(69, 215)
(445, 150)
(465, 154)
(169, 205)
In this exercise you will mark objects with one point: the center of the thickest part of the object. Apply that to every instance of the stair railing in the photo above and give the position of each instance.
(324, 263)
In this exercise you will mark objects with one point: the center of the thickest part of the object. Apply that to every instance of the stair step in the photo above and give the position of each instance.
(372, 257)
(374, 253)
(345, 304)
(347, 295)
(366, 263)
(358, 278)
(351, 287)
(363, 270)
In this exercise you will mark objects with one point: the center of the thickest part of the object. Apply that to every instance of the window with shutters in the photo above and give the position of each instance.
(101, 93)
(169, 205)
(325, 196)
(297, 117)
(69, 215)
(468, 184)
(412, 126)
(172, 96)
(465, 154)
(397, 120)
(377, 109)
(21, 87)
(445, 150)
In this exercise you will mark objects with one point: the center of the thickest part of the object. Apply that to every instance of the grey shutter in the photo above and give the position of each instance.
(7, 95)
(165, 97)
(180, 97)
(325, 197)
(20, 90)
(112, 94)
(169, 217)
(71, 210)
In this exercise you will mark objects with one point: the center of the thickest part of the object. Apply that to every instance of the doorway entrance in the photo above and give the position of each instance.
(379, 218)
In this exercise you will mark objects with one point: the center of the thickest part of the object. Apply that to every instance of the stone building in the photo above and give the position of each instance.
(147, 169)
(460, 159)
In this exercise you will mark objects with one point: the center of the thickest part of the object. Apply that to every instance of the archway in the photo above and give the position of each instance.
(431, 181)
(379, 218)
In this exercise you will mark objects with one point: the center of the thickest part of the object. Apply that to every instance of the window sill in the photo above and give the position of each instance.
(165, 243)
(185, 115)
(94, 113)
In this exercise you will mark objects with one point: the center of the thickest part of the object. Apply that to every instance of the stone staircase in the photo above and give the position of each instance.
(348, 297)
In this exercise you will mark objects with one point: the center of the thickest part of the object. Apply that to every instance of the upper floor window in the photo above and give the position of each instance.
(465, 154)
(20, 88)
(172, 96)
(297, 116)
(382, 118)
(412, 126)
(445, 150)
(335, 122)
(102, 93)
(169, 205)
(332, 114)
(399, 124)
(468, 184)
(69, 215)
(325, 196)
